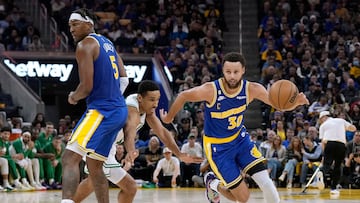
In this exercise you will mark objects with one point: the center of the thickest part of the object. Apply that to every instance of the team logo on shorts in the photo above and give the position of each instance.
(255, 152)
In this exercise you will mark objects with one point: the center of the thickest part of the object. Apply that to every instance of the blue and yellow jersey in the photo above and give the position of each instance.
(106, 93)
(224, 115)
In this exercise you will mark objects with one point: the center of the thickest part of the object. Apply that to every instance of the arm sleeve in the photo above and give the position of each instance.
(124, 82)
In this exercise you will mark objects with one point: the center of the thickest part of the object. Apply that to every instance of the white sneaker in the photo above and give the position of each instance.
(21, 187)
(1, 188)
(37, 187)
(320, 180)
(289, 186)
(334, 192)
(26, 184)
(8, 188)
(282, 177)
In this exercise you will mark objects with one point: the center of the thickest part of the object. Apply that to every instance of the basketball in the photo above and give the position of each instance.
(283, 95)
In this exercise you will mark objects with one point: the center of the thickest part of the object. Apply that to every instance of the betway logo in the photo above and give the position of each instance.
(135, 71)
(35, 69)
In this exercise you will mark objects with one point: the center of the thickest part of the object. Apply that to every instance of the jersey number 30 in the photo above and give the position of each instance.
(234, 121)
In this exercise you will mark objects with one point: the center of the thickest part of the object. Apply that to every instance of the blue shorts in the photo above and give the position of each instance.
(231, 156)
(95, 133)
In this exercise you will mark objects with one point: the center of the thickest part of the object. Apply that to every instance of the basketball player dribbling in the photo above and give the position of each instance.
(226, 141)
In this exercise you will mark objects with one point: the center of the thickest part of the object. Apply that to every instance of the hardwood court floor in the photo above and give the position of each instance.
(186, 195)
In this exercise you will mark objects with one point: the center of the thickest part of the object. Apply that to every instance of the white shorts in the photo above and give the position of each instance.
(112, 170)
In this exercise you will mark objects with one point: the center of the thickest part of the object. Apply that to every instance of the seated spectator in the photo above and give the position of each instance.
(318, 106)
(355, 114)
(350, 91)
(292, 158)
(167, 171)
(120, 153)
(5, 146)
(36, 44)
(275, 156)
(355, 67)
(153, 153)
(311, 157)
(53, 167)
(39, 118)
(22, 148)
(352, 162)
(280, 130)
(4, 172)
(188, 170)
(266, 144)
(289, 135)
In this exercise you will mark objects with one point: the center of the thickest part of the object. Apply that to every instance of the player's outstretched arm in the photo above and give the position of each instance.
(204, 92)
(130, 134)
(169, 141)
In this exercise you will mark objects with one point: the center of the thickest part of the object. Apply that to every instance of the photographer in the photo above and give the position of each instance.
(352, 162)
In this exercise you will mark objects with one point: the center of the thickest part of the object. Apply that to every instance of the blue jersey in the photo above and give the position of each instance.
(226, 143)
(224, 115)
(106, 93)
(106, 112)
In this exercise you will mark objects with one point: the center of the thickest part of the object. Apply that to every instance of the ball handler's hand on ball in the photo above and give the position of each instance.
(302, 100)
(190, 159)
(285, 96)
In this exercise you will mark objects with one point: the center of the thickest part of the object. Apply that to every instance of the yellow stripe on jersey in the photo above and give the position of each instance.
(228, 113)
(207, 147)
(217, 140)
(87, 128)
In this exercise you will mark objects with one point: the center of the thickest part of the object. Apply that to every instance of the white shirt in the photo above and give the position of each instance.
(333, 129)
(196, 150)
(170, 167)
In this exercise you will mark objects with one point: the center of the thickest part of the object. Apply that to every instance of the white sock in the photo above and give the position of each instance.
(267, 187)
(5, 182)
(214, 184)
(67, 201)
(51, 181)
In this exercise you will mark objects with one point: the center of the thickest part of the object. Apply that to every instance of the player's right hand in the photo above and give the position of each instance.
(131, 156)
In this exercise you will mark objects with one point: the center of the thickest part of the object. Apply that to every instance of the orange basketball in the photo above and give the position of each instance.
(283, 95)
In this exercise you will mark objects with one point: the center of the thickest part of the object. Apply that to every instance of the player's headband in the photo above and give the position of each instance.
(76, 16)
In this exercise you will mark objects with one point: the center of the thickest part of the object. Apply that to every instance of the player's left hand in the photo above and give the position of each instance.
(164, 116)
(190, 159)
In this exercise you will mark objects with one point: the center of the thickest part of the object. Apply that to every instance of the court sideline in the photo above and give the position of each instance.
(188, 195)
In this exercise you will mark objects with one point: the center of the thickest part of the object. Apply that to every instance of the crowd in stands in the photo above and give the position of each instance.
(312, 43)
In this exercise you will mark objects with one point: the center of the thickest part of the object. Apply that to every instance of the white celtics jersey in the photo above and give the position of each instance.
(131, 100)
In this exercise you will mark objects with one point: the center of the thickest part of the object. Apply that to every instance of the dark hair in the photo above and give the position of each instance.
(5, 129)
(146, 86)
(234, 57)
(86, 12)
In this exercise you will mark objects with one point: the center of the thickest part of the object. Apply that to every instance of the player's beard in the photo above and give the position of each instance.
(232, 84)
